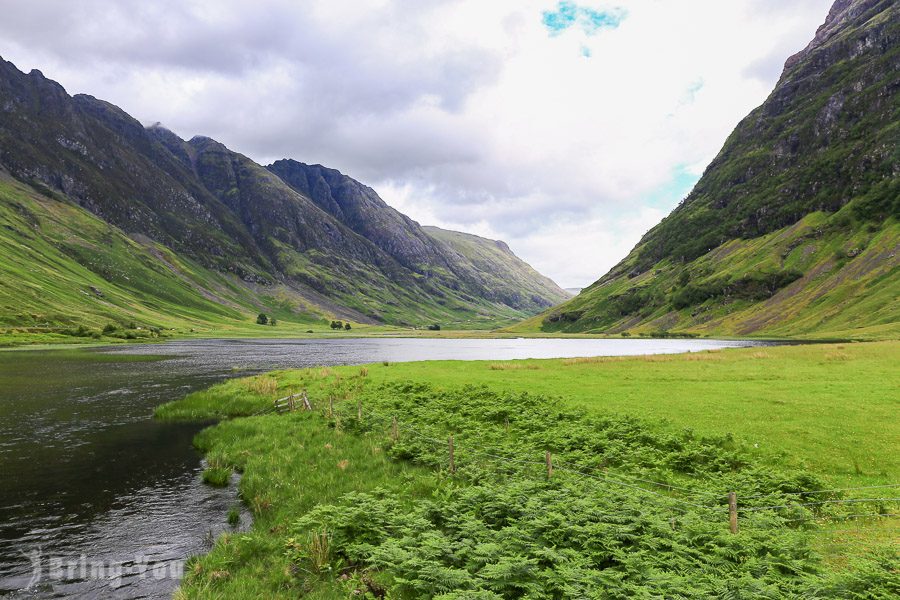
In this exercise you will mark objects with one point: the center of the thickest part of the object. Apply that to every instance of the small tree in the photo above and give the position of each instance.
(434, 327)
(262, 319)
(347, 327)
(337, 324)
(273, 322)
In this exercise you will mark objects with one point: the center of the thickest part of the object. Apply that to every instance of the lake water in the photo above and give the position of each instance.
(99, 500)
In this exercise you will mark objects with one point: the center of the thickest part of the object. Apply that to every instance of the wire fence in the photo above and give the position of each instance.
(626, 481)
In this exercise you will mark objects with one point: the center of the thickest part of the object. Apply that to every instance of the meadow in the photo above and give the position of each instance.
(643, 452)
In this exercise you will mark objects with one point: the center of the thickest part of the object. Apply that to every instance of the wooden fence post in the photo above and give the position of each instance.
(452, 463)
(548, 458)
(732, 511)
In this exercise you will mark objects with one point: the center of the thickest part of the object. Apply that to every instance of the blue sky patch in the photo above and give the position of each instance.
(668, 196)
(568, 14)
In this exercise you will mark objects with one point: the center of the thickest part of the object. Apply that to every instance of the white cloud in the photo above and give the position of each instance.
(462, 113)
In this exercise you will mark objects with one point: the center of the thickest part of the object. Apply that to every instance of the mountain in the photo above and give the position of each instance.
(304, 242)
(793, 227)
(512, 280)
(451, 258)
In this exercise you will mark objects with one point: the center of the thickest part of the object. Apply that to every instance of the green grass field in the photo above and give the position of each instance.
(764, 421)
(831, 408)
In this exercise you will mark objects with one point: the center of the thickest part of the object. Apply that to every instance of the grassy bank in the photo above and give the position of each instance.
(635, 505)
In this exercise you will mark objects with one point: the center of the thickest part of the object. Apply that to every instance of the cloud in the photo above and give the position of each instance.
(462, 113)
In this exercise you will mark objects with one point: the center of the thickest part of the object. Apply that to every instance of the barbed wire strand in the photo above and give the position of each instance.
(844, 517)
(833, 490)
(819, 503)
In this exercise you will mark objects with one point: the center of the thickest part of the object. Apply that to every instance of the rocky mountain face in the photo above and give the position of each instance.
(361, 209)
(454, 259)
(312, 232)
(793, 226)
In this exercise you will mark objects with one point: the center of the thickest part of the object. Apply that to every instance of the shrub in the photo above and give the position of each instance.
(434, 327)
(347, 326)
(754, 287)
(262, 319)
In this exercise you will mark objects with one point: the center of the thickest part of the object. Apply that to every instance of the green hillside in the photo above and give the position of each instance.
(233, 236)
(825, 276)
(67, 273)
(512, 280)
(793, 228)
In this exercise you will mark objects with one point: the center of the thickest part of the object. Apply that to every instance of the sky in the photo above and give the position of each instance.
(567, 129)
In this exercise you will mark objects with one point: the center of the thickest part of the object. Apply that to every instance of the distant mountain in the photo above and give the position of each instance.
(793, 228)
(457, 260)
(510, 279)
(573, 291)
(293, 238)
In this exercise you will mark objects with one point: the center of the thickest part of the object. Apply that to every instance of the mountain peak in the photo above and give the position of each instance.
(844, 14)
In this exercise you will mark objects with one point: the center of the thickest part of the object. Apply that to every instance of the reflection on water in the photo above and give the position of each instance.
(86, 472)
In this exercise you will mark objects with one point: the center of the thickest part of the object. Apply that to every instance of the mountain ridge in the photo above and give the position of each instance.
(231, 215)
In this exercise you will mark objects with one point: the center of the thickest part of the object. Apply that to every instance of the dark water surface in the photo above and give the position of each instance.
(99, 500)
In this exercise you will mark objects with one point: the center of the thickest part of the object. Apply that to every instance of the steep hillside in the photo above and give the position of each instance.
(453, 259)
(512, 280)
(230, 216)
(793, 228)
(65, 272)
(361, 209)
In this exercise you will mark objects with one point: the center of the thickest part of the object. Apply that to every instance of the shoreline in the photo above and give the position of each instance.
(12, 343)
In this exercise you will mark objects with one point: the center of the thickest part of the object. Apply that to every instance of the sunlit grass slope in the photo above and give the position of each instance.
(827, 276)
(62, 269)
(66, 276)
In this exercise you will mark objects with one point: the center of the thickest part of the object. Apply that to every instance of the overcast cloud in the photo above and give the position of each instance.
(565, 128)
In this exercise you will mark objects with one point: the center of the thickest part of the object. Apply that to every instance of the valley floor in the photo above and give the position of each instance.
(644, 451)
